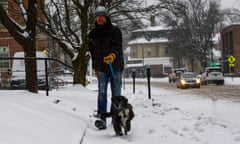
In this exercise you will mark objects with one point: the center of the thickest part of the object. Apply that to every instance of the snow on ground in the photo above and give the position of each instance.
(65, 116)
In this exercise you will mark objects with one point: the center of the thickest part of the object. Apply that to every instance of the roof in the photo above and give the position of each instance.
(143, 40)
(232, 24)
(153, 28)
(152, 34)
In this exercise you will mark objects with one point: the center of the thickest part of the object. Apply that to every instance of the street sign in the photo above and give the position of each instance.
(212, 64)
(231, 59)
(231, 65)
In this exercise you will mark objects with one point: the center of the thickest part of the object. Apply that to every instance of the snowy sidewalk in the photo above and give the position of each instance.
(171, 117)
(65, 117)
(28, 118)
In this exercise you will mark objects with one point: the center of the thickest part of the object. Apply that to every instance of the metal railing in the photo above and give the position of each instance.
(46, 66)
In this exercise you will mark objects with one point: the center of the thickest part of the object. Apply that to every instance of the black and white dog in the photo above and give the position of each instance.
(121, 116)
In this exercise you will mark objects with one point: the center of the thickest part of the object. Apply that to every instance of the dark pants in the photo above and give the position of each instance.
(103, 80)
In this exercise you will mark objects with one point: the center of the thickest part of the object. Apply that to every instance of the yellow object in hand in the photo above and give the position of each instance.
(110, 58)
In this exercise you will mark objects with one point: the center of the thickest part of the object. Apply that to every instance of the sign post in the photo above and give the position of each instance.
(231, 61)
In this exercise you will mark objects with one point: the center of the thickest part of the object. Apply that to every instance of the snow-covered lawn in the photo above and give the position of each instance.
(65, 117)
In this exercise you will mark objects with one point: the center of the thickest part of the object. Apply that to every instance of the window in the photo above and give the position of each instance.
(4, 64)
(149, 51)
(134, 52)
(4, 3)
(166, 51)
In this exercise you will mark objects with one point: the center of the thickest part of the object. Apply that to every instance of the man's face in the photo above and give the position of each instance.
(101, 20)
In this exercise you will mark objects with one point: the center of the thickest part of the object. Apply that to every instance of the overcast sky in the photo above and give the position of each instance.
(230, 3)
(224, 3)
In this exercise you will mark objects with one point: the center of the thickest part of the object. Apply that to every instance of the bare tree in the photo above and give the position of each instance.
(69, 21)
(193, 29)
(231, 16)
(21, 21)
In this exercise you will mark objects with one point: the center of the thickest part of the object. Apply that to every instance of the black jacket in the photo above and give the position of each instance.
(103, 40)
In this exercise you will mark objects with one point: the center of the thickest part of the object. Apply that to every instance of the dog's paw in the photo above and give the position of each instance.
(119, 133)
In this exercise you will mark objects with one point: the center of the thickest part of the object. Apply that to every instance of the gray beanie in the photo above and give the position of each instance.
(101, 11)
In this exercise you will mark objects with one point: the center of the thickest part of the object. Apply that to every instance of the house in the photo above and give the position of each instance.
(150, 46)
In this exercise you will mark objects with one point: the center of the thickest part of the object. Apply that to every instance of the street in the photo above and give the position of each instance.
(216, 92)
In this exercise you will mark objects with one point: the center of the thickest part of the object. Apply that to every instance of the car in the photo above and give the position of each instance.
(20, 83)
(187, 80)
(175, 74)
(18, 80)
(213, 75)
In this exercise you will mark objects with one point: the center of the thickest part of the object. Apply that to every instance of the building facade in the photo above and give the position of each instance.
(150, 45)
(8, 45)
(230, 37)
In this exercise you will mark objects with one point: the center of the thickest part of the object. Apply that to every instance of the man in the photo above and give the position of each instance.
(105, 44)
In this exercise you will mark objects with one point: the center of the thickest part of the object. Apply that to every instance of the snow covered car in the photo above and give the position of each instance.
(18, 80)
(213, 75)
(20, 83)
(187, 80)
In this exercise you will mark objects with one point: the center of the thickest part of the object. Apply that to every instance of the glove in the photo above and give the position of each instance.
(110, 58)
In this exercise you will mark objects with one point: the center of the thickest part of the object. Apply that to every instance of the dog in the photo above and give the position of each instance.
(122, 115)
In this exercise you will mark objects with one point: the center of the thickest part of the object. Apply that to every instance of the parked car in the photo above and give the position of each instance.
(20, 83)
(187, 80)
(175, 74)
(18, 80)
(213, 75)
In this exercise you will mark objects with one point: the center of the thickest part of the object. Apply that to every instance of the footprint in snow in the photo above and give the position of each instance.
(237, 138)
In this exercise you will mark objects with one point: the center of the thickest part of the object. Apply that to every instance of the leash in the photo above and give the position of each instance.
(113, 76)
(111, 68)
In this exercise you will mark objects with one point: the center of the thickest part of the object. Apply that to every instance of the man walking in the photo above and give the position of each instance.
(105, 44)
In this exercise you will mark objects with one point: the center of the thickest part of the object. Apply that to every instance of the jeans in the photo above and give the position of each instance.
(103, 80)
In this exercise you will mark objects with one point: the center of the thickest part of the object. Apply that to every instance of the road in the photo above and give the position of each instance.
(230, 92)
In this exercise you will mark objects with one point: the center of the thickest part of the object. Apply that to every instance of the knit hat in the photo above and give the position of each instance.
(101, 11)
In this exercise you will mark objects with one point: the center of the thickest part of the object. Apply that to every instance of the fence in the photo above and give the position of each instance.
(4, 81)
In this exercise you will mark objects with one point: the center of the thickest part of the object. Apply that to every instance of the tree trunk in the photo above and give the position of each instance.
(79, 73)
(31, 69)
(27, 42)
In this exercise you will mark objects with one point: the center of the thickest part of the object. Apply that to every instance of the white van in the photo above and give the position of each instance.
(18, 71)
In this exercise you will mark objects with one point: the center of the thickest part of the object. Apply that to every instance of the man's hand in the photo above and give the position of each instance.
(110, 58)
